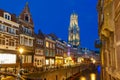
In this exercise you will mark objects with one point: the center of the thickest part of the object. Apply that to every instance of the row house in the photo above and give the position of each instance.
(15, 33)
(26, 35)
(39, 57)
(73, 54)
(65, 54)
(49, 51)
(59, 50)
(59, 55)
(9, 39)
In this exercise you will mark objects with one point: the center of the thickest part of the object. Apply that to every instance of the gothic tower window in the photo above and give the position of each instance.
(27, 18)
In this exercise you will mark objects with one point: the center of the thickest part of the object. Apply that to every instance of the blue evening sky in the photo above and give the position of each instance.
(53, 16)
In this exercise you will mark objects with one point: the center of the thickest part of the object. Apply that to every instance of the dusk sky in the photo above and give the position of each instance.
(53, 16)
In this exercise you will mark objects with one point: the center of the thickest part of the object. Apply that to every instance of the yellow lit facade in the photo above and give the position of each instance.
(108, 17)
(59, 61)
(59, 55)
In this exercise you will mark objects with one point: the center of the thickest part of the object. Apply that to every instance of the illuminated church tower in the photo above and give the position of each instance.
(73, 37)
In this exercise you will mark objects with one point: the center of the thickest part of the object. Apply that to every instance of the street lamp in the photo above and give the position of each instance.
(21, 51)
(20, 57)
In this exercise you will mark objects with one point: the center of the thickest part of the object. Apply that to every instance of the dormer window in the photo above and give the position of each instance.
(7, 16)
(27, 18)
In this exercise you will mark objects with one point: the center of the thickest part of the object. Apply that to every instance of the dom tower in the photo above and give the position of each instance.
(73, 37)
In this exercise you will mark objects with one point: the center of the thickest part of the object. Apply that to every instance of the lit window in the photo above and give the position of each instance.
(51, 61)
(47, 62)
(7, 58)
(47, 44)
(50, 45)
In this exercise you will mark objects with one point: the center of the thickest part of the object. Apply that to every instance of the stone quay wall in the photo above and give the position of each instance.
(56, 74)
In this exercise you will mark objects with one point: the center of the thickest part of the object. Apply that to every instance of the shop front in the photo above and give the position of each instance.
(7, 58)
(68, 61)
(58, 61)
(8, 62)
(50, 62)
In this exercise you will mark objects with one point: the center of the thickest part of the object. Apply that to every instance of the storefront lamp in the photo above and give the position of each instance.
(21, 50)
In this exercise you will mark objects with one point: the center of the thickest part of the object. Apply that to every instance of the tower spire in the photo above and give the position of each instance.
(73, 37)
(27, 7)
(26, 15)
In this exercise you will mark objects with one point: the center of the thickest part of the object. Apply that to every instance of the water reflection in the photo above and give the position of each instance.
(93, 76)
(98, 69)
(82, 78)
(89, 74)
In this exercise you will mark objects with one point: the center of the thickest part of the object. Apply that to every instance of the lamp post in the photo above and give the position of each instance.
(20, 57)
(21, 51)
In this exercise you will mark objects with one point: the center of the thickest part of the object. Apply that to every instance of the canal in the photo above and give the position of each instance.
(89, 74)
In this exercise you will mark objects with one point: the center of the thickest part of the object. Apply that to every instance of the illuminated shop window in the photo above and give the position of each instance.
(47, 62)
(7, 58)
(51, 61)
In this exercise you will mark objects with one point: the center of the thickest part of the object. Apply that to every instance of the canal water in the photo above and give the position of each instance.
(89, 74)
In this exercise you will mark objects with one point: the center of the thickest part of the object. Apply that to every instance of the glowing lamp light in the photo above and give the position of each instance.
(93, 76)
(94, 61)
(21, 50)
(82, 78)
(82, 59)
